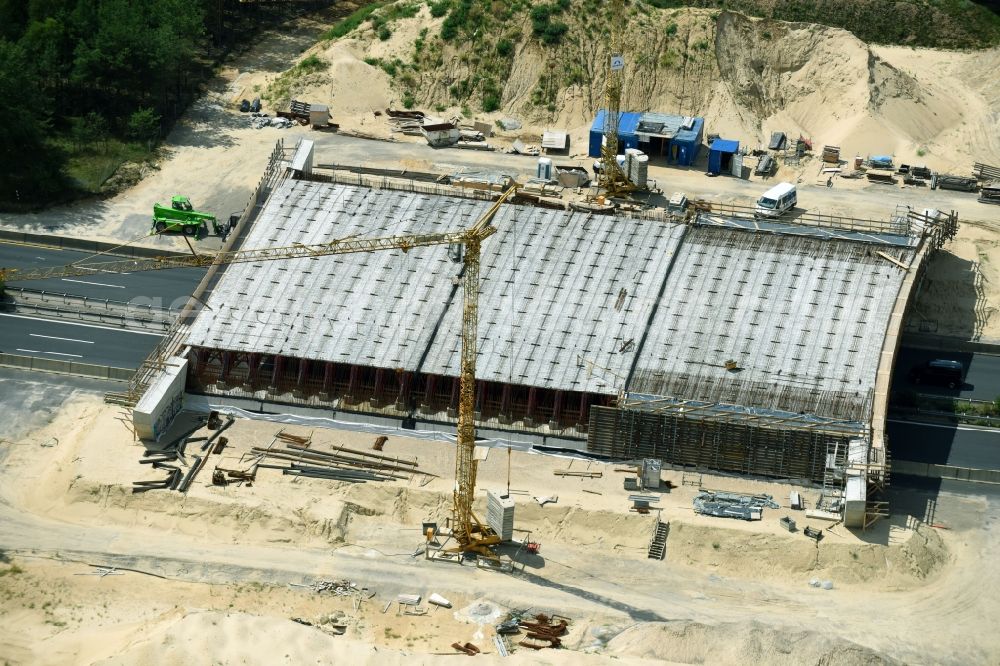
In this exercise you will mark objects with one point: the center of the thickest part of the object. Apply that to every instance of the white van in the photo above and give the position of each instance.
(777, 201)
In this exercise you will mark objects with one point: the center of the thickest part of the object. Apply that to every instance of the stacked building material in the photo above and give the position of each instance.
(341, 464)
(831, 154)
(733, 505)
(500, 514)
(990, 193)
(881, 175)
(986, 172)
(949, 182)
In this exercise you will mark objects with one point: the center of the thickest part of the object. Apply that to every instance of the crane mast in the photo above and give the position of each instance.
(470, 534)
(613, 179)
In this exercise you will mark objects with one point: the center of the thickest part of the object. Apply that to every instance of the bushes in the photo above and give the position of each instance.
(439, 9)
(310, 64)
(543, 27)
(352, 21)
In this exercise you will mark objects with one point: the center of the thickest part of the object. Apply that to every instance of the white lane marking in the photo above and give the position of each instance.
(71, 323)
(35, 351)
(940, 425)
(52, 337)
(96, 284)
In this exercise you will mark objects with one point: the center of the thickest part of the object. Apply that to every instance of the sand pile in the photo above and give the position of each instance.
(769, 557)
(746, 643)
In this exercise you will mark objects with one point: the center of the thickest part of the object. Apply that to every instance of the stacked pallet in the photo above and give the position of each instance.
(990, 193)
(831, 154)
(881, 175)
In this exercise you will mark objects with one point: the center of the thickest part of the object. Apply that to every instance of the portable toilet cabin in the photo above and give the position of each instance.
(720, 156)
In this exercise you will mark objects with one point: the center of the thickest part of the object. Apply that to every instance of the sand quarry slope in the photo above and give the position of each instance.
(748, 77)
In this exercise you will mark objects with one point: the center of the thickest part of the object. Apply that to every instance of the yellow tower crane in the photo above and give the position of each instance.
(470, 534)
(613, 179)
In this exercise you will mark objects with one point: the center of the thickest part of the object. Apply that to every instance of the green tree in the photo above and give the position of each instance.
(30, 170)
(91, 128)
(144, 125)
(13, 18)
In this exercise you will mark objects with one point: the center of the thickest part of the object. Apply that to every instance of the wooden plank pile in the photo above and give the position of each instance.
(298, 458)
(831, 154)
(881, 175)
(985, 172)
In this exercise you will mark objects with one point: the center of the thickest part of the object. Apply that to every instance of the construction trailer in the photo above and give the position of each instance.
(724, 158)
(676, 139)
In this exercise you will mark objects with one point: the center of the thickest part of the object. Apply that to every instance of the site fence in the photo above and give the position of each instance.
(405, 185)
(934, 471)
(62, 367)
(84, 245)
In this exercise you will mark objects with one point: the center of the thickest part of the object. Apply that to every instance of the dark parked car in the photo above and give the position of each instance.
(939, 372)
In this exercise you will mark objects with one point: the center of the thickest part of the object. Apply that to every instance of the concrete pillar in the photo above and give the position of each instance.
(279, 366)
(379, 383)
(254, 368)
(403, 396)
(505, 416)
(352, 385)
(529, 414)
(300, 379)
(480, 389)
(227, 365)
(556, 411)
(427, 404)
(327, 390)
(453, 403)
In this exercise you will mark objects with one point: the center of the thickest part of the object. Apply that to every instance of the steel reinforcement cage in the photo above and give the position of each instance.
(773, 447)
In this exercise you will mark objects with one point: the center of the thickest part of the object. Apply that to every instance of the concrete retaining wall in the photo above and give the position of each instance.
(944, 343)
(162, 401)
(65, 367)
(933, 471)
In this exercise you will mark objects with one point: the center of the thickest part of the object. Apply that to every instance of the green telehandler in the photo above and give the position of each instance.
(182, 217)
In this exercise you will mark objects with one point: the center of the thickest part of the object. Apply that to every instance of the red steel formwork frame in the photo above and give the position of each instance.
(380, 390)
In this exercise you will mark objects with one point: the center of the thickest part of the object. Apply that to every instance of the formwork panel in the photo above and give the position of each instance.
(801, 319)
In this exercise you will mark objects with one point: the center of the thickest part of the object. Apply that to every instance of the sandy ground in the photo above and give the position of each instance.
(227, 555)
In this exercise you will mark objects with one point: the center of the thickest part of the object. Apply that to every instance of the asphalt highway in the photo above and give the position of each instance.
(982, 379)
(961, 446)
(78, 342)
(166, 289)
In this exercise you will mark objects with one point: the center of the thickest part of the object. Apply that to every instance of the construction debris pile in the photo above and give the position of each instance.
(733, 505)
(437, 132)
(542, 631)
(297, 458)
(173, 457)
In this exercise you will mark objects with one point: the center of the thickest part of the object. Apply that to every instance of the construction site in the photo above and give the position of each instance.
(708, 340)
(425, 397)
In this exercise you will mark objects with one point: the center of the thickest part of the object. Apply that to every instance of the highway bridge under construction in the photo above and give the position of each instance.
(712, 341)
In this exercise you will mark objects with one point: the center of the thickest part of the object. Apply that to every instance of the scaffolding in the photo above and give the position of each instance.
(717, 437)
